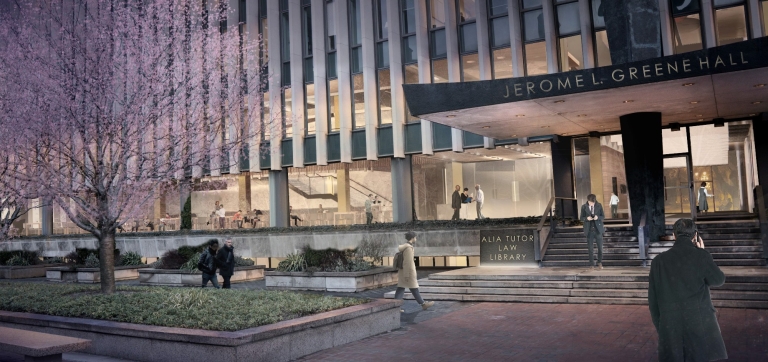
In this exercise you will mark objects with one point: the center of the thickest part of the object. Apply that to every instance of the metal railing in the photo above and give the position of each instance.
(763, 217)
(562, 207)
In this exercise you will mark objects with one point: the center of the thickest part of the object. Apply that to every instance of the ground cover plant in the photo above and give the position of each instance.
(365, 257)
(197, 308)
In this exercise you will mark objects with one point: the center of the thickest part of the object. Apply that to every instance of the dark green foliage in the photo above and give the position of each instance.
(92, 261)
(131, 258)
(19, 257)
(327, 259)
(186, 215)
(187, 251)
(80, 255)
(172, 259)
(240, 261)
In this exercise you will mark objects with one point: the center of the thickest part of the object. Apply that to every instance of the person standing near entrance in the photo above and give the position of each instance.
(479, 199)
(207, 264)
(225, 258)
(456, 203)
(222, 216)
(614, 206)
(679, 300)
(368, 209)
(406, 276)
(592, 216)
(703, 194)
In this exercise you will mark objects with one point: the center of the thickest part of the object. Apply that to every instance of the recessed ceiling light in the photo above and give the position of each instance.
(694, 102)
(700, 119)
(514, 135)
(544, 126)
(520, 115)
(470, 61)
(451, 116)
(486, 127)
(565, 134)
(499, 57)
(628, 101)
(582, 115)
(688, 84)
(560, 101)
(757, 102)
(752, 114)
(759, 85)
(699, 115)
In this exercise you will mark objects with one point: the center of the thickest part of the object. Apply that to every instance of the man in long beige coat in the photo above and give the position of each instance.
(406, 277)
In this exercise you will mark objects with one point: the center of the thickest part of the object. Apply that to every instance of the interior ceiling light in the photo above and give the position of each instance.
(757, 102)
(451, 116)
(699, 115)
(544, 126)
(514, 135)
(628, 101)
(761, 85)
(486, 127)
(582, 115)
(520, 115)
(752, 114)
(694, 102)
(688, 84)
(560, 101)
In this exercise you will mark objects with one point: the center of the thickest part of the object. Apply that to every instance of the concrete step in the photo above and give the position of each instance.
(584, 250)
(544, 277)
(583, 245)
(496, 291)
(585, 256)
(739, 295)
(583, 239)
(580, 233)
(707, 225)
(709, 242)
(727, 262)
(738, 255)
(582, 263)
(496, 284)
(610, 293)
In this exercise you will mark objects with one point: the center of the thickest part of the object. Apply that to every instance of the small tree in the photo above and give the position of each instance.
(110, 101)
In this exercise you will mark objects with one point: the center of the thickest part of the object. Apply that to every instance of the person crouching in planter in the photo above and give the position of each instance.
(207, 264)
(225, 258)
(406, 276)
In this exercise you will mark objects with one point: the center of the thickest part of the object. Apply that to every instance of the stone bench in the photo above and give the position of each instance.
(36, 346)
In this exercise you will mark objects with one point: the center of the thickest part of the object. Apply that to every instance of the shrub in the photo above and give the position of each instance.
(373, 249)
(187, 251)
(240, 261)
(17, 260)
(186, 215)
(172, 259)
(28, 257)
(92, 261)
(80, 255)
(131, 258)
(191, 264)
(293, 263)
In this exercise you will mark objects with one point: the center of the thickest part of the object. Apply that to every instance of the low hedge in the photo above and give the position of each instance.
(197, 308)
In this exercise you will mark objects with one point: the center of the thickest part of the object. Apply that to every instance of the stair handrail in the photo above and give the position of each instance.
(363, 186)
(642, 232)
(541, 246)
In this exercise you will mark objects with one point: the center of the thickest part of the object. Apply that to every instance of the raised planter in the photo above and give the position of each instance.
(283, 341)
(91, 275)
(332, 281)
(178, 278)
(29, 271)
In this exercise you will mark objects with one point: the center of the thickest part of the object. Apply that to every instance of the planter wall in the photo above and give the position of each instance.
(29, 271)
(283, 341)
(91, 275)
(332, 282)
(178, 278)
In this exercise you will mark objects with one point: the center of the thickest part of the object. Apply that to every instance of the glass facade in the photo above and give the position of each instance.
(334, 121)
(687, 33)
(385, 97)
(730, 24)
(502, 63)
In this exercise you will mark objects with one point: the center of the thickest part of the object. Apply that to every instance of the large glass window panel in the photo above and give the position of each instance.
(438, 43)
(603, 50)
(437, 13)
(528, 4)
(288, 113)
(330, 25)
(385, 97)
(684, 6)
(470, 68)
(266, 116)
(265, 38)
(568, 19)
(409, 49)
(356, 58)
(469, 38)
(411, 77)
(285, 75)
(500, 31)
(571, 57)
(440, 71)
(598, 15)
(764, 6)
(502, 63)
(307, 31)
(285, 48)
(359, 101)
(330, 64)
(309, 70)
(310, 108)
(355, 32)
(533, 25)
(731, 25)
(497, 7)
(382, 54)
(409, 16)
(334, 123)
(536, 58)
(687, 36)
(719, 3)
(382, 17)
(467, 10)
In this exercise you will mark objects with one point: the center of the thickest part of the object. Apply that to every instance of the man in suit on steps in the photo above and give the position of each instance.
(592, 216)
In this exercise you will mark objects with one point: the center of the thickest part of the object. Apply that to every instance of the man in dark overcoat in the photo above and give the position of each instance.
(678, 297)
(456, 203)
(592, 216)
(225, 259)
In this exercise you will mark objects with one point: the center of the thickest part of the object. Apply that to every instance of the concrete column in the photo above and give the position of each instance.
(254, 99)
(396, 79)
(275, 86)
(46, 217)
(665, 19)
(708, 24)
(633, 30)
(454, 62)
(297, 82)
(278, 198)
(425, 68)
(321, 82)
(345, 79)
(755, 19)
(760, 129)
(402, 189)
(550, 36)
(516, 38)
(159, 208)
(342, 189)
(562, 167)
(587, 40)
(457, 172)
(644, 165)
(244, 191)
(484, 53)
(370, 87)
(596, 168)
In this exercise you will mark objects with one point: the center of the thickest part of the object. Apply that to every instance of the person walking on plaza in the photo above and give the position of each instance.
(592, 216)
(703, 194)
(225, 258)
(369, 209)
(679, 299)
(456, 203)
(479, 199)
(406, 276)
(207, 263)
(614, 206)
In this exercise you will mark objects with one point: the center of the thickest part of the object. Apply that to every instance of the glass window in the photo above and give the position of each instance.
(265, 37)
(438, 44)
(437, 13)
(331, 65)
(602, 48)
(266, 116)
(382, 23)
(440, 71)
(355, 36)
(333, 105)
(382, 54)
(536, 58)
(385, 97)
(330, 25)
(470, 68)
(309, 70)
(469, 38)
(411, 77)
(307, 31)
(568, 19)
(685, 6)
(356, 58)
(467, 10)
(288, 113)
(571, 57)
(358, 102)
(409, 49)
(598, 16)
(687, 35)
(285, 45)
(533, 25)
(719, 3)
(285, 74)
(310, 108)
(731, 25)
(765, 17)
(500, 31)
(528, 4)
(497, 7)
(502, 63)
(409, 16)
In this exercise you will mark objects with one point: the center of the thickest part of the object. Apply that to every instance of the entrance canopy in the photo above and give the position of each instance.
(729, 81)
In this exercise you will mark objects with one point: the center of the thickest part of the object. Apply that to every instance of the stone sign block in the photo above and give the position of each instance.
(508, 246)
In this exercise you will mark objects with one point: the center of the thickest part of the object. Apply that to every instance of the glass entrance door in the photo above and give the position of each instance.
(678, 185)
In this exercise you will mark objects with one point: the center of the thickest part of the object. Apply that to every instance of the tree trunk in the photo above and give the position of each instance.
(107, 262)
